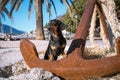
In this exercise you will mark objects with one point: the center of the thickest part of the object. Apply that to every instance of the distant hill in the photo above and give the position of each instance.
(7, 29)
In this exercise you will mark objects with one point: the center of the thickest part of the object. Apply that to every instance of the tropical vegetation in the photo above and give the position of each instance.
(71, 18)
(15, 4)
(80, 5)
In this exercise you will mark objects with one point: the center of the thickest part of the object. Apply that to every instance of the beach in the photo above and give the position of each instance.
(13, 66)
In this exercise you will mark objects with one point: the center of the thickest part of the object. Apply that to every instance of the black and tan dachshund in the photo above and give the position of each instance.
(57, 42)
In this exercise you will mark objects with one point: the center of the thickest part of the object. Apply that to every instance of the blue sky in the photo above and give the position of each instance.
(22, 22)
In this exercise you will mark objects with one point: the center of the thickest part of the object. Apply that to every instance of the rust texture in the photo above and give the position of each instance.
(117, 44)
(74, 66)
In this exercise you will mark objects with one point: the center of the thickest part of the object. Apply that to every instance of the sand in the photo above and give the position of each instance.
(13, 67)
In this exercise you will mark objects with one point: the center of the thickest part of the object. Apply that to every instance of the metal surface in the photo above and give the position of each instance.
(117, 44)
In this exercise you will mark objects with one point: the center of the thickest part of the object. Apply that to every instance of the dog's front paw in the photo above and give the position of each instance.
(51, 58)
(64, 55)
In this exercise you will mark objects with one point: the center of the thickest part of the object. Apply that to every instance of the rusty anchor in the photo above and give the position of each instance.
(74, 66)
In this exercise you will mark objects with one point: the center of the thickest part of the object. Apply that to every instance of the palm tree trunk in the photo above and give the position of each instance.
(92, 28)
(109, 7)
(39, 21)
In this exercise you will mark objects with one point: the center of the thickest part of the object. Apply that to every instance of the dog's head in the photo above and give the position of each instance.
(55, 27)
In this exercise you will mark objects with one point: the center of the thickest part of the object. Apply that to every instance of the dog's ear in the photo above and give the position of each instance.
(62, 27)
(57, 23)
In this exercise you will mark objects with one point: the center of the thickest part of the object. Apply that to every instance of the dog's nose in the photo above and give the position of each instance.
(65, 25)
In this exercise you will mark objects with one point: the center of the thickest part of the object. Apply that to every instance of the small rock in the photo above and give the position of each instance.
(20, 68)
(48, 75)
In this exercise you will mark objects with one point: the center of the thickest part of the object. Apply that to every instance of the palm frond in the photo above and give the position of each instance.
(19, 2)
(3, 4)
(66, 1)
(74, 6)
(54, 7)
(0, 22)
(42, 1)
(2, 15)
(79, 1)
(48, 7)
(68, 7)
(61, 1)
(13, 2)
(7, 13)
(30, 8)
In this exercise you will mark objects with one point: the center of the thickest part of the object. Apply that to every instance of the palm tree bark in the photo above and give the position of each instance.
(39, 21)
(109, 7)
